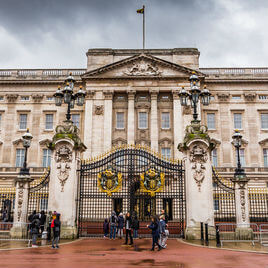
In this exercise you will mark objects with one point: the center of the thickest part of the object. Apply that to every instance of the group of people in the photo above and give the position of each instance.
(115, 225)
(43, 225)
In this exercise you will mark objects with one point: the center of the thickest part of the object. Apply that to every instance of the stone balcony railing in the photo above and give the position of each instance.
(249, 72)
(11, 74)
(248, 170)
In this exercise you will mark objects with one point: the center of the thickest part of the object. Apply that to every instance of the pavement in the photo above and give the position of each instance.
(111, 253)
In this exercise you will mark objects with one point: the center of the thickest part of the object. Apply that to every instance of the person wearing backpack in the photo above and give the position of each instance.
(120, 225)
(35, 225)
(113, 223)
(56, 224)
(136, 227)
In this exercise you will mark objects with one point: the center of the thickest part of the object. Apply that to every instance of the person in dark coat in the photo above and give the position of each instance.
(31, 216)
(34, 229)
(120, 225)
(106, 228)
(165, 215)
(42, 221)
(155, 233)
(136, 226)
(56, 231)
(113, 224)
(128, 226)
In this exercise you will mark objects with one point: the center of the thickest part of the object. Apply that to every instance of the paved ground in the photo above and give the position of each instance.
(109, 253)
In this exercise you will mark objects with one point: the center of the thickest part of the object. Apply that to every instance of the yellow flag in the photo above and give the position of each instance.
(141, 11)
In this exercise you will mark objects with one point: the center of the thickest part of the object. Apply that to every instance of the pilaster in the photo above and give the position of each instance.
(154, 120)
(131, 117)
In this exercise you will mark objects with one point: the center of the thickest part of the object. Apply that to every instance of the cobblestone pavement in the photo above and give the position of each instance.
(111, 253)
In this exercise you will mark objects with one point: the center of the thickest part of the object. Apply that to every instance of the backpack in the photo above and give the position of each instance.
(113, 219)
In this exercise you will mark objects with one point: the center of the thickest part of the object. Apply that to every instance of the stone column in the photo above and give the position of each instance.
(198, 175)
(177, 123)
(88, 123)
(131, 117)
(19, 229)
(243, 230)
(108, 119)
(154, 120)
(66, 147)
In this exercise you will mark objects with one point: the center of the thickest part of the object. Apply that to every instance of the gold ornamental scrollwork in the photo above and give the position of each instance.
(109, 181)
(152, 181)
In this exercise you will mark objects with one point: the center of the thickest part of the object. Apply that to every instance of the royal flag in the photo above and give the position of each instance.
(141, 11)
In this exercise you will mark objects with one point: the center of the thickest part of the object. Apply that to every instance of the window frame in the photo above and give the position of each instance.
(47, 162)
(264, 128)
(20, 121)
(139, 114)
(21, 157)
(214, 121)
(265, 162)
(234, 122)
(214, 156)
(118, 121)
(162, 121)
(46, 122)
(164, 155)
(78, 120)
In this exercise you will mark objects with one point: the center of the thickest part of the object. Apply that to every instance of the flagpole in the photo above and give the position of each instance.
(143, 26)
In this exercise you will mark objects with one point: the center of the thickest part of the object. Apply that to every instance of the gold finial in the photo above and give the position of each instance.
(71, 73)
(80, 87)
(59, 86)
(67, 84)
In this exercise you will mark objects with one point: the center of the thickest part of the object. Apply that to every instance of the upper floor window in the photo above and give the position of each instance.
(264, 121)
(76, 120)
(46, 157)
(263, 97)
(23, 121)
(25, 98)
(214, 158)
(1, 98)
(120, 124)
(237, 120)
(211, 121)
(143, 120)
(165, 121)
(242, 157)
(265, 157)
(236, 97)
(166, 152)
(50, 98)
(49, 121)
(20, 153)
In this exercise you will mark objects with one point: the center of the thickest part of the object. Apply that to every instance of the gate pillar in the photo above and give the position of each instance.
(66, 146)
(196, 148)
(22, 184)
(243, 230)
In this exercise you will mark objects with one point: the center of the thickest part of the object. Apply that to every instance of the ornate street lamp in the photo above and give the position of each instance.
(194, 95)
(237, 141)
(67, 96)
(26, 137)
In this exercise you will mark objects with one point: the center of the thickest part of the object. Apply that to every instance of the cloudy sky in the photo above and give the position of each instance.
(57, 33)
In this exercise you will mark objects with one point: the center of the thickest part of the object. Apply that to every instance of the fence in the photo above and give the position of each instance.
(264, 234)
(5, 228)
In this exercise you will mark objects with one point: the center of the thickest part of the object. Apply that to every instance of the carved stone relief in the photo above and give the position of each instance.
(223, 96)
(63, 158)
(37, 97)
(243, 204)
(198, 156)
(20, 201)
(98, 109)
(143, 68)
(12, 97)
(250, 96)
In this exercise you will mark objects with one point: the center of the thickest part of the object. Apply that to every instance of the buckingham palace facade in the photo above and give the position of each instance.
(132, 98)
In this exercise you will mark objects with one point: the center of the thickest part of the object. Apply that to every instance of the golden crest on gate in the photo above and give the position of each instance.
(152, 181)
(109, 181)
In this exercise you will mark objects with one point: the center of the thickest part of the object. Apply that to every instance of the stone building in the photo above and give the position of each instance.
(132, 98)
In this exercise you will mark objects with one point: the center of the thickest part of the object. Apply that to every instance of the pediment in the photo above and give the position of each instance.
(141, 66)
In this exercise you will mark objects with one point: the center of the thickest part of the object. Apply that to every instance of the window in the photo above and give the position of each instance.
(238, 121)
(166, 152)
(49, 121)
(263, 97)
(211, 121)
(23, 121)
(76, 120)
(1, 98)
(165, 121)
(264, 121)
(43, 204)
(120, 124)
(143, 120)
(49, 98)
(20, 153)
(236, 97)
(121, 97)
(242, 157)
(214, 158)
(265, 157)
(165, 97)
(46, 157)
(212, 98)
(25, 98)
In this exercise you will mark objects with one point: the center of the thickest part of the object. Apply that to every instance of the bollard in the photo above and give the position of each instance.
(202, 233)
(206, 233)
(218, 240)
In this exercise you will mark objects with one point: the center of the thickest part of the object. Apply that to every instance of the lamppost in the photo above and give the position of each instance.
(26, 137)
(237, 141)
(194, 95)
(67, 95)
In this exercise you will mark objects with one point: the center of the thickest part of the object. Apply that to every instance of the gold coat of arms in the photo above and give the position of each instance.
(152, 181)
(109, 181)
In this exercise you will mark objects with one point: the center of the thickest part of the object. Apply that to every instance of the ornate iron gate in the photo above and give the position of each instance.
(130, 179)
(224, 199)
(38, 194)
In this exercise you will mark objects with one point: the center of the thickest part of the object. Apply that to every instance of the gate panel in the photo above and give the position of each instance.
(96, 205)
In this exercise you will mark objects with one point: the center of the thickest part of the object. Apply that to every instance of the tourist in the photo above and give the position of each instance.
(42, 221)
(136, 226)
(48, 225)
(162, 232)
(155, 233)
(106, 228)
(34, 229)
(120, 225)
(165, 215)
(56, 223)
(31, 216)
(113, 223)
(128, 226)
